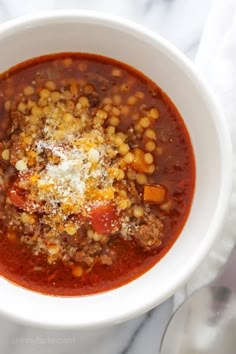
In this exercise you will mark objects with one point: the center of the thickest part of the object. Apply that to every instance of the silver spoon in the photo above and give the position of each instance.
(206, 322)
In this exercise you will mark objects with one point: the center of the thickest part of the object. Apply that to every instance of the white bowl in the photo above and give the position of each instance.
(89, 32)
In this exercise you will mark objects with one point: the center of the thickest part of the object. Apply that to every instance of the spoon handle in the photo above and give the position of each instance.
(227, 276)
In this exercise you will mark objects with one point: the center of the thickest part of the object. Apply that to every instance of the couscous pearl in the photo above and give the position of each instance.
(115, 111)
(132, 100)
(150, 146)
(131, 175)
(138, 211)
(28, 90)
(123, 136)
(121, 175)
(21, 165)
(148, 158)
(124, 148)
(46, 110)
(21, 107)
(144, 122)
(151, 169)
(150, 134)
(107, 100)
(42, 102)
(117, 99)
(102, 114)
(27, 218)
(67, 95)
(7, 105)
(74, 89)
(116, 72)
(70, 229)
(30, 104)
(129, 157)
(28, 140)
(36, 111)
(97, 237)
(77, 271)
(55, 96)
(154, 113)
(110, 130)
(44, 93)
(124, 88)
(84, 101)
(118, 140)
(138, 129)
(141, 178)
(93, 155)
(68, 117)
(107, 107)
(124, 204)
(139, 94)
(50, 85)
(114, 121)
(6, 154)
(67, 62)
(125, 110)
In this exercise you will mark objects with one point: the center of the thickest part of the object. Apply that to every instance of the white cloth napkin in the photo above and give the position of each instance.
(216, 59)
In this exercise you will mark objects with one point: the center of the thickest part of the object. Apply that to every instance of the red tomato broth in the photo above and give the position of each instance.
(176, 171)
(17, 264)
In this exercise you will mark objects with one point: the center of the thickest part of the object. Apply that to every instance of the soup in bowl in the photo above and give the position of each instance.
(97, 174)
(107, 201)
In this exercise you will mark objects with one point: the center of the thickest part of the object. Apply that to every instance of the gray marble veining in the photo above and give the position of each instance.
(128, 338)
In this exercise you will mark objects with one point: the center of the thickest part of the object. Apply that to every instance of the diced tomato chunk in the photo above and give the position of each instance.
(18, 197)
(105, 218)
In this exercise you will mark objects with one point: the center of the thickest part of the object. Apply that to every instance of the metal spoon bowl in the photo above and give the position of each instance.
(206, 322)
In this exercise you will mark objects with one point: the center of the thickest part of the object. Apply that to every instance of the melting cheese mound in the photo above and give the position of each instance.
(78, 168)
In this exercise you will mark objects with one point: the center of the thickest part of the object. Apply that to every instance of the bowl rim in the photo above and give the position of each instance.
(224, 142)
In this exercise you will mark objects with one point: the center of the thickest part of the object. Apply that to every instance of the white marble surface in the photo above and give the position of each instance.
(181, 22)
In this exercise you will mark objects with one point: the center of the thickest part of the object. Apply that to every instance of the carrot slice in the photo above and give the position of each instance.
(154, 193)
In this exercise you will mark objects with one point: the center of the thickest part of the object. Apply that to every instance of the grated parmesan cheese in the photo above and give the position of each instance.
(81, 168)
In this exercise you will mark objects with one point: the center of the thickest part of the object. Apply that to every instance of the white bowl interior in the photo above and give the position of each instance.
(128, 43)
